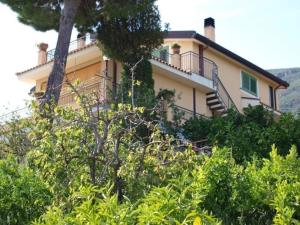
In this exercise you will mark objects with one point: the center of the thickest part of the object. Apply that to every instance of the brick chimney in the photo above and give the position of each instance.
(80, 40)
(209, 28)
(42, 55)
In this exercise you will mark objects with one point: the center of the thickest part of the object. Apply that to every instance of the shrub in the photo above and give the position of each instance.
(24, 196)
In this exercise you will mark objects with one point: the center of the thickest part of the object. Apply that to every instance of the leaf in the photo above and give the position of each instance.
(197, 221)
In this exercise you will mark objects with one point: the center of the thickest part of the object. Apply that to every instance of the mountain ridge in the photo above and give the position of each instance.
(289, 98)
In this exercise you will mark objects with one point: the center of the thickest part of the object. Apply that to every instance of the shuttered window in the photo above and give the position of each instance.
(249, 83)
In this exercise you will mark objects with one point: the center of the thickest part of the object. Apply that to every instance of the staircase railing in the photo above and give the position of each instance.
(221, 91)
(192, 62)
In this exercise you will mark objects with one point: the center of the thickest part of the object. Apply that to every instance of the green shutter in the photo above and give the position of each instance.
(245, 81)
(253, 86)
(249, 83)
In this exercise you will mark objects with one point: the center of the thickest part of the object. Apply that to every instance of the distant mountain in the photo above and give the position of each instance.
(290, 98)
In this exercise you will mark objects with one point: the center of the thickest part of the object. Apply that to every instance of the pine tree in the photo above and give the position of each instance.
(87, 16)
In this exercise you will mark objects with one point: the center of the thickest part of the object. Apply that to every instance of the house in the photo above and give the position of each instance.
(208, 77)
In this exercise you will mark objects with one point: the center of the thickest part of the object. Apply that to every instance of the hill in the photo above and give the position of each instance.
(290, 98)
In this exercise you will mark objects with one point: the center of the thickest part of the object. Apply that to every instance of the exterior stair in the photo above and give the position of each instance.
(214, 103)
(219, 101)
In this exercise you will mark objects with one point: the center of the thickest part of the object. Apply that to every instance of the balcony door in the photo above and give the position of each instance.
(271, 91)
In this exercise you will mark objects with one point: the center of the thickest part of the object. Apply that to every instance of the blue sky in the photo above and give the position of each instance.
(266, 32)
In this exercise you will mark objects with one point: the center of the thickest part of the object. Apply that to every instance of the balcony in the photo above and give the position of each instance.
(94, 87)
(77, 44)
(194, 69)
(248, 101)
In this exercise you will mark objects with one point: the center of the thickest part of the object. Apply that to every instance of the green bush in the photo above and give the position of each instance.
(262, 192)
(249, 135)
(24, 197)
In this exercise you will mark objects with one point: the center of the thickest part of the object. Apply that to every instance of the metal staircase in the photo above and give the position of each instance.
(219, 101)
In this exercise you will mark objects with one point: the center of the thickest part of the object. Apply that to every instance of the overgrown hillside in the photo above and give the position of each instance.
(290, 98)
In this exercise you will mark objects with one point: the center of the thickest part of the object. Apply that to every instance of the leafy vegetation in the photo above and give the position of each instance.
(94, 166)
(249, 135)
(24, 196)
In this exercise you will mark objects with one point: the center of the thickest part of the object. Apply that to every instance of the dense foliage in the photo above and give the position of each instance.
(249, 134)
(92, 166)
(24, 196)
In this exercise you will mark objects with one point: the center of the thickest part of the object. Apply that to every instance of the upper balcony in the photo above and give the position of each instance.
(188, 67)
(75, 45)
(82, 52)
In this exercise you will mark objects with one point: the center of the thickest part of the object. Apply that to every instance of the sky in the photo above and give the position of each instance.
(265, 32)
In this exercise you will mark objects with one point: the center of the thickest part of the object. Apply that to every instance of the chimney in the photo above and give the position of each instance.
(42, 55)
(80, 40)
(209, 28)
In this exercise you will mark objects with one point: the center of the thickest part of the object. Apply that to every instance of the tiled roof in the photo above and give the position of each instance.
(230, 54)
(48, 62)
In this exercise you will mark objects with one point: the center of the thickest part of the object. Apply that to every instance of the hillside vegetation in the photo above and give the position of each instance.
(117, 166)
(290, 98)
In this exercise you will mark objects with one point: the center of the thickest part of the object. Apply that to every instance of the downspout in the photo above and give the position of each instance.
(194, 102)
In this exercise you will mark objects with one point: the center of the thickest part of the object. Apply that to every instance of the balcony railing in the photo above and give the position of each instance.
(76, 44)
(95, 88)
(269, 108)
(189, 62)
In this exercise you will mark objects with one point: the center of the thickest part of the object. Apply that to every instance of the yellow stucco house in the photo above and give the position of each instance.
(208, 77)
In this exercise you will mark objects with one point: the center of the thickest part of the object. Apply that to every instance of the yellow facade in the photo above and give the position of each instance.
(192, 90)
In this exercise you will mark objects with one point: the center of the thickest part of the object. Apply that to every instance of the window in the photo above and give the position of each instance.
(162, 53)
(249, 83)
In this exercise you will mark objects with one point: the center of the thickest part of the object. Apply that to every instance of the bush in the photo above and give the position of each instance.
(24, 196)
(249, 135)
(262, 192)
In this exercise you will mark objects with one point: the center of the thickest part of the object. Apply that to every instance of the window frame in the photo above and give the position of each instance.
(248, 91)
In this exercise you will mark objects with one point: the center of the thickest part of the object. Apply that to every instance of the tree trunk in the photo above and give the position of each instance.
(56, 76)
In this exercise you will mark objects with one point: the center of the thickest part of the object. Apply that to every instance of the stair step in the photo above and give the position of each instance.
(210, 93)
(211, 98)
(214, 103)
(218, 107)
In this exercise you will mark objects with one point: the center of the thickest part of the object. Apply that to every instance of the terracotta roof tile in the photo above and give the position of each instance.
(48, 62)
